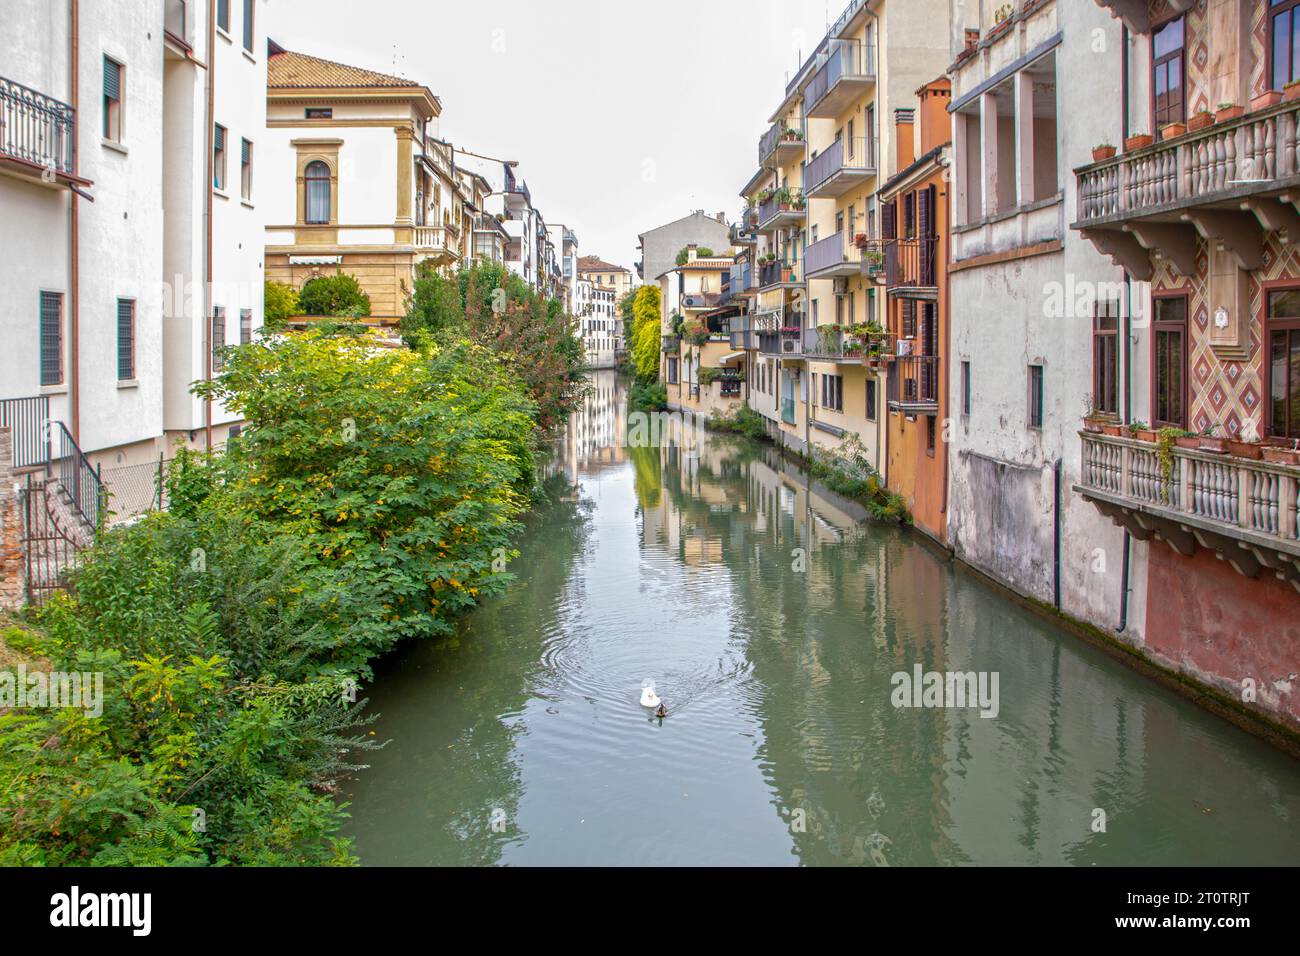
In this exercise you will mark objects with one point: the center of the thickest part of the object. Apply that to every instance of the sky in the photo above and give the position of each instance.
(622, 115)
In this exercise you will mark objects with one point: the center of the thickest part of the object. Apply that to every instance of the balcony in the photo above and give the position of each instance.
(853, 345)
(741, 330)
(780, 335)
(848, 71)
(37, 133)
(744, 233)
(28, 422)
(780, 210)
(739, 283)
(909, 266)
(1136, 14)
(432, 240)
(701, 301)
(176, 21)
(833, 257)
(1245, 511)
(778, 274)
(782, 144)
(840, 167)
(1227, 183)
(914, 384)
(670, 343)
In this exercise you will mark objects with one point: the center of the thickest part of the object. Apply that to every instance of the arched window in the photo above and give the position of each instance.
(318, 192)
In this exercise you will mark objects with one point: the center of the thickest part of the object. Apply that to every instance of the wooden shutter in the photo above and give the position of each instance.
(889, 220)
(909, 318)
(125, 339)
(51, 338)
(925, 225)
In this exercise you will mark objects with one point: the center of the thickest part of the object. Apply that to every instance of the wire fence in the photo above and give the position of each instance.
(134, 490)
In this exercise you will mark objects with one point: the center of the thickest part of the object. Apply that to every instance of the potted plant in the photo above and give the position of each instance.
(1102, 152)
(1113, 429)
(1239, 447)
(860, 240)
(875, 260)
(1280, 453)
(1212, 442)
(1186, 439)
(1172, 131)
(1291, 91)
(1142, 432)
(1137, 141)
(1201, 119)
(1266, 99)
(791, 134)
(1094, 419)
(1227, 111)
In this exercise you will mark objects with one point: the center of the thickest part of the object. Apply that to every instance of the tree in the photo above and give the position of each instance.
(435, 304)
(336, 295)
(280, 303)
(646, 332)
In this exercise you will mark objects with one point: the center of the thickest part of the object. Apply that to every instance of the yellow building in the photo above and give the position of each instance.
(703, 374)
(359, 182)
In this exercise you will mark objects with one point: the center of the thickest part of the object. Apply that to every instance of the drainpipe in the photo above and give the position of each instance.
(74, 228)
(1127, 333)
(209, 166)
(946, 318)
(1056, 533)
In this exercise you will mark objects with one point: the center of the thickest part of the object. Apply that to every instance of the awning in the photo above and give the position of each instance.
(732, 357)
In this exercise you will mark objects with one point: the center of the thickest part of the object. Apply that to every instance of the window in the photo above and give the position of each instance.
(1035, 417)
(218, 157)
(1169, 358)
(833, 392)
(319, 113)
(248, 25)
(223, 15)
(1283, 369)
(51, 338)
(218, 337)
(246, 170)
(1168, 89)
(245, 326)
(125, 340)
(1105, 356)
(671, 372)
(114, 77)
(871, 399)
(931, 427)
(965, 387)
(318, 200)
(909, 319)
(1284, 41)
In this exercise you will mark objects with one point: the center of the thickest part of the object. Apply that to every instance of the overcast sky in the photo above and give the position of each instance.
(623, 115)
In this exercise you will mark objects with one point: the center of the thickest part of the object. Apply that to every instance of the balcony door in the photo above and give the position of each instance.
(1284, 363)
(1169, 362)
(1168, 86)
(1284, 42)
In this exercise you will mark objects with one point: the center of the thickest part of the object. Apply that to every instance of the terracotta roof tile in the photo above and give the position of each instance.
(290, 70)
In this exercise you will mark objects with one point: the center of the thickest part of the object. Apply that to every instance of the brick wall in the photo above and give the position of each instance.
(11, 553)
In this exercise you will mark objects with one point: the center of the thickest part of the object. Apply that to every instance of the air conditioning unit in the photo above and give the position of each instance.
(841, 285)
(904, 347)
(788, 345)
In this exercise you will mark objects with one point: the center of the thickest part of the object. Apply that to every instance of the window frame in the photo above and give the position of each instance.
(249, 26)
(1159, 327)
(223, 16)
(114, 117)
(131, 341)
(245, 169)
(217, 343)
(965, 387)
(1108, 339)
(307, 180)
(57, 297)
(219, 135)
(1290, 9)
(1179, 54)
(1036, 412)
(1289, 324)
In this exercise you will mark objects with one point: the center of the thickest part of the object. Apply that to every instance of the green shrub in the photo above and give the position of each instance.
(647, 397)
(280, 302)
(337, 295)
(743, 421)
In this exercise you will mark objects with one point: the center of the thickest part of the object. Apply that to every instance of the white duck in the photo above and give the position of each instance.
(648, 696)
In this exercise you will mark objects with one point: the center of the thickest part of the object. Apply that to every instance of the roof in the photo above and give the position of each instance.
(911, 170)
(289, 70)
(709, 262)
(597, 264)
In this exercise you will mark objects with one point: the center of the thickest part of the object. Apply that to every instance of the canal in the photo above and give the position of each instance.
(772, 620)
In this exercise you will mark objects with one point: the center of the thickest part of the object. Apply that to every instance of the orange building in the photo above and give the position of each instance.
(912, 261)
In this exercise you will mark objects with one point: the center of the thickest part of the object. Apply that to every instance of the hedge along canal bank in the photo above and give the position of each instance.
(774, 622)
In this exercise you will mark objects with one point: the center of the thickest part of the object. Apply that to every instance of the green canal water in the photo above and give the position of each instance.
(772, 620)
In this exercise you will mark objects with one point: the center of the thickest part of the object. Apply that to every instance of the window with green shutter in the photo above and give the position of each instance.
(125, 339)
(248, 25)
(218, 157)
(51, 338)
(223, 14)
(218, 337)
(112, 100)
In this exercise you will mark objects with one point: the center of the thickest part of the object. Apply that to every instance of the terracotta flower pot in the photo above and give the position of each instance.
(1200, 121)
(1227, 113)
(1216, 446)
(1291, 92)
(1172, 131)
(1139, 141)
(1278, 455)
(1114, 431)
(1188, 441)
(1244, 449)
(1145, 434)
(1102, 153)
(1266, 99)
(1094, 425)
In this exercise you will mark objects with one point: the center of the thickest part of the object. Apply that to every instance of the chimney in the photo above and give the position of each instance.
(905, 138)
(972, 39)
(691, 252)
(936, 125)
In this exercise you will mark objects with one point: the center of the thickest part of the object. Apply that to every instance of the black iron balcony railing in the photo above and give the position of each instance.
(914, 383)
(905, 263)
(671, 343)
(28, 422)
(783, 135)
(36, 128)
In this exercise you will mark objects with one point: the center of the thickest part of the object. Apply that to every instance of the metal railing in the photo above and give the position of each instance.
(77, 476)
(26, 419)
(857, 155)
(905, 263)
(831, 252)
(851, 344)
(779, 134)
(769, 209)
(775, 273)
(846, 59)
(36, 128)
(670, 343)
(1256, 499)
(174, 20)
(914, 383)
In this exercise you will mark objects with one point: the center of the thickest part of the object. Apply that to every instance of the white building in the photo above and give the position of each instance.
(599, 325)
(112, 304)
